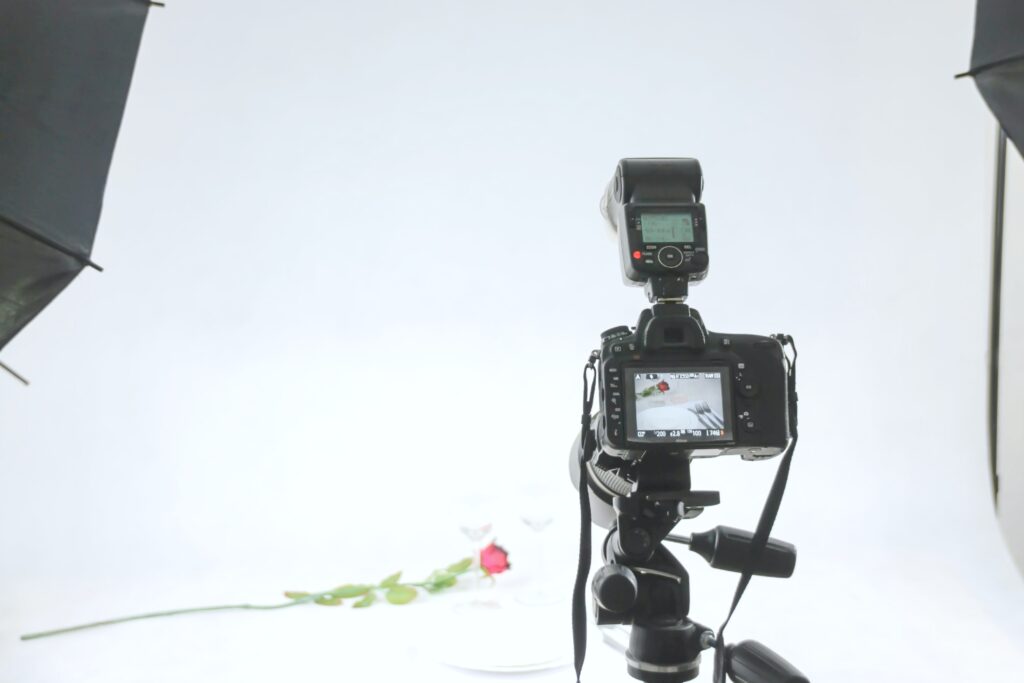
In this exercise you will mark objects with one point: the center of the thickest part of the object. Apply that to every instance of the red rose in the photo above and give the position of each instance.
(494, 559)
(662, 386)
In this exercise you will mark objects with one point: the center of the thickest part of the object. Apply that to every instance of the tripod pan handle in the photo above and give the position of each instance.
(752, 662)
(725, 547)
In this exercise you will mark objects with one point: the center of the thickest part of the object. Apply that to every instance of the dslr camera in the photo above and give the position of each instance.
(668, 385)
(670, 391)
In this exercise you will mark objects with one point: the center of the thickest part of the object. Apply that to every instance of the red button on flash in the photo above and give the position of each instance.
(637, 255)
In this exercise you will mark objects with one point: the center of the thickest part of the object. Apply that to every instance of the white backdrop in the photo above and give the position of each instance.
(354, 266)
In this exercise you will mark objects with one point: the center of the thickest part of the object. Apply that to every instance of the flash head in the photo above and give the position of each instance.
(654, 206)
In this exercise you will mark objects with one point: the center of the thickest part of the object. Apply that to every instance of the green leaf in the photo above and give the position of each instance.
(442, 579)
(399, 595)
(328, 600)
(295, 595)
(366, 600)
(461, 565)
(391, 580)
(350, 591)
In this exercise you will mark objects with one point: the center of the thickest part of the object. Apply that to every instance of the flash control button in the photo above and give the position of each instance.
(670, 257)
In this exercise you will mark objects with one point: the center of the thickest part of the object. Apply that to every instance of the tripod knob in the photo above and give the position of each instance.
(752, 662)
(614, 588)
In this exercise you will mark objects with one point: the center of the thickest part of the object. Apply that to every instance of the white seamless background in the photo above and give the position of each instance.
(354, 265)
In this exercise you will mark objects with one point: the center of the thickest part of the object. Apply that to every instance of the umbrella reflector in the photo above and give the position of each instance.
(65, 69)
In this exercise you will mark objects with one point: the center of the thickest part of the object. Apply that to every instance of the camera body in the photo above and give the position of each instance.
(668, 385)
(671, 386)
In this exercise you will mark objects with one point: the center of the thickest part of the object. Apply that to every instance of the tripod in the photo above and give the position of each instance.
(642, 584)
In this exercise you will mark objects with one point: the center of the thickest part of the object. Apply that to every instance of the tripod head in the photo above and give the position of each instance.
(642, 584)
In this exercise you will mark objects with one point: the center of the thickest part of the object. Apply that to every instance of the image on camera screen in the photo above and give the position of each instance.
(680, 405)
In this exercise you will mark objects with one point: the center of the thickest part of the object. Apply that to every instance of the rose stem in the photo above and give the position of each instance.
(168, 613)
(193, 610)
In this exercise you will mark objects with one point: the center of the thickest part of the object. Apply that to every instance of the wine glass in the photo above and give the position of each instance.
(539, 591)
(476, 534)
(474, 514)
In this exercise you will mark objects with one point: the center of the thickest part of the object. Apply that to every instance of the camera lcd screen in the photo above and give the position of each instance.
(679, 405)
(666, 227)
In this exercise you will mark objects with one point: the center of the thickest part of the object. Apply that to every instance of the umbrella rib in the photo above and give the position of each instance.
(991, 65)
(25, 230)
(14, 374)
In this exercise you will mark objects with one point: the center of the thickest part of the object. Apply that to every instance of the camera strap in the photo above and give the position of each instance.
(768, 513)
(587, 447)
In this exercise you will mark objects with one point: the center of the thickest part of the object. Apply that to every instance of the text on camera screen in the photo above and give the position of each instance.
(686, 404)
(666, 227)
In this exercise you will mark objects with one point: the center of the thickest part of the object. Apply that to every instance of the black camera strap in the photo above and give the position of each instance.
(587, 446)
(768, 513)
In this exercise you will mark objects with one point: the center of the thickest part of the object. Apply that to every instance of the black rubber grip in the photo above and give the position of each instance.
(727, 548)
(752, 662)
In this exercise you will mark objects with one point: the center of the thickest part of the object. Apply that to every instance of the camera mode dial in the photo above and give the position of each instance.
(615, 333)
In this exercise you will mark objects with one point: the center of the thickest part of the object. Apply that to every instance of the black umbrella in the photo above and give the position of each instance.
(65, 68)
(997, 66)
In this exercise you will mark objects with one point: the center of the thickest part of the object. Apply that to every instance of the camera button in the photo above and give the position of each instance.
(748, 389)
(670, 257)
